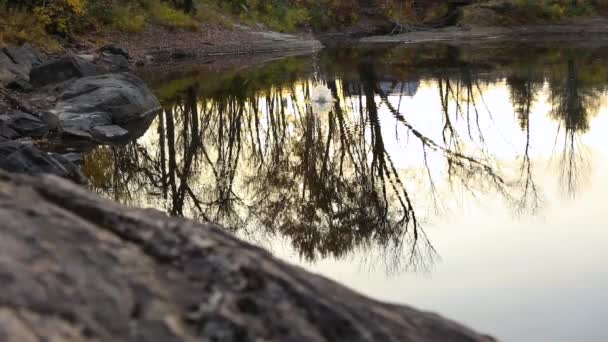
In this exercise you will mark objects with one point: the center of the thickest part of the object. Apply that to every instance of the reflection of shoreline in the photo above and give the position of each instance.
(260, 159)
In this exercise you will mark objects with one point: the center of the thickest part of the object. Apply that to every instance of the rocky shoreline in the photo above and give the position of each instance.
(156, 45)
(72, 102)
(69, 103)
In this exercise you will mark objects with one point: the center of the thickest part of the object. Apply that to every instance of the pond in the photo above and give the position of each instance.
(469, 180)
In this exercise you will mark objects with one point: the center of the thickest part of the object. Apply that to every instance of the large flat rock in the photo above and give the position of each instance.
(75, 267)
(118, 99)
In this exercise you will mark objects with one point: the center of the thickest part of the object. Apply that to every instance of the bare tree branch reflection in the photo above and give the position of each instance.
(523, 94)
(255, 156)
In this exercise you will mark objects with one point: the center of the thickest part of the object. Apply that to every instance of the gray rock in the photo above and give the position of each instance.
(24, 157)
(21, 85)
(114, 63)
(84, 122)
(76, 267)
(87, 57)
(9, 71)
(6, 75)
(111, 133)
(51, 120)
(115, 50)
(26, 125)
(24, 55)
(74, 133)
(17, 62)
(112, 99)
(74, 157)
(6, 132)
(62, 69)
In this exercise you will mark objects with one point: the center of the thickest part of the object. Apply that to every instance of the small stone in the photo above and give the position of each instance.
(114, 63)
(110, 133)
(73, 157)
(76, 133)
(20, 84)
(50, 119)
(115, 50)
(87, 57)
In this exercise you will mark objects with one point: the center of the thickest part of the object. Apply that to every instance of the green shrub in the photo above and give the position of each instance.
(164, 15)
(127, 19)
(558, 9)
(210, 14)
(18, 27)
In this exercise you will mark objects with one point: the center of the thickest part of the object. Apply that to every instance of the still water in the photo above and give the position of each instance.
(470, 180)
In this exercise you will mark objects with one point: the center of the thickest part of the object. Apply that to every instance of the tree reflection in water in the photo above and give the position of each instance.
(262, 162)
(573, 103)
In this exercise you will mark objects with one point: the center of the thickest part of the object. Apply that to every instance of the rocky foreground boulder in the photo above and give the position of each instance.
(75, 267)
(87, 97)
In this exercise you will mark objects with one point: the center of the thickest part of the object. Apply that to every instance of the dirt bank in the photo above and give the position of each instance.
(158, 45)
(595, 28)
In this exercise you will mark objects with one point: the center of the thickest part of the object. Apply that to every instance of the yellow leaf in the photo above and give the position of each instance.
(78, 6)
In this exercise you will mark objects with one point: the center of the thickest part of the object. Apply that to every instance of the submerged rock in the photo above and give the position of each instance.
(24, 157)
(76, 267)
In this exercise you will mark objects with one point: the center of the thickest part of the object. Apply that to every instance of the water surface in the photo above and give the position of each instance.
(464, 180)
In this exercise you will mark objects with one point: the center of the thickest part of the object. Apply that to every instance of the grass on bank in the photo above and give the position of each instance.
(20, 27)
(555, 9)
(46, 23)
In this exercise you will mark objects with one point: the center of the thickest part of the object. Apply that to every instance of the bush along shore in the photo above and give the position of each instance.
(52, 25)
(75, 267)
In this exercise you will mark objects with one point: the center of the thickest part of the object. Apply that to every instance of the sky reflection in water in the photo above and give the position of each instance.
(467, 181)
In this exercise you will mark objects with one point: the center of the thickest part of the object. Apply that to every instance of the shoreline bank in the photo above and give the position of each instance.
(596, 28)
